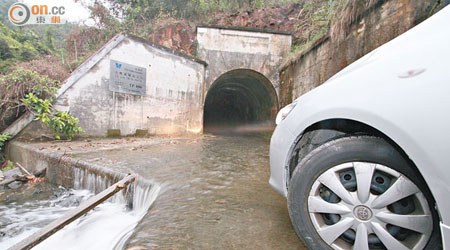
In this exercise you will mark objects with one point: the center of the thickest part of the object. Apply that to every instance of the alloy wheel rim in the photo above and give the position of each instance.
(360, 205)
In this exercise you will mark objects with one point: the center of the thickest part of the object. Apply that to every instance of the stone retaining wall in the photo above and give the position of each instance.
(377, 26)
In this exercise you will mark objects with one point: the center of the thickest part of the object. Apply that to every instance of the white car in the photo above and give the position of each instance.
(364, 159)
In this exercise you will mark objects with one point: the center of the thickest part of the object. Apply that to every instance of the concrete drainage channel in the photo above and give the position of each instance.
(209, 192)
(128, 200)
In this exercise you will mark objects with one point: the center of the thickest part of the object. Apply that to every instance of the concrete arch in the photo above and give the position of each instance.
(237, 98)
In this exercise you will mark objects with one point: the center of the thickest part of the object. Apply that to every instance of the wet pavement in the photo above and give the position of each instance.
(214, 190)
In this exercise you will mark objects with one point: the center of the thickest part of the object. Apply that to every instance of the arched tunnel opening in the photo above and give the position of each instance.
(240, 101)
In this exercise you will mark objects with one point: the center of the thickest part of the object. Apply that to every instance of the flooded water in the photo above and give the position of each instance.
(24, 211)
(214, 194)
(108, 226)
(210, 192)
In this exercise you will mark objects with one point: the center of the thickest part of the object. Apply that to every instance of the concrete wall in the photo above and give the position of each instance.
(62, 168)
(379, 25)
(226, 49)
(173, 102)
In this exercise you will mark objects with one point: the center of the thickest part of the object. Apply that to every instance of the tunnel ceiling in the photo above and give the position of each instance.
(237, 98)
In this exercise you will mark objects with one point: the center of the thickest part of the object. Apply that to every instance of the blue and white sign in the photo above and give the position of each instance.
(127, 78)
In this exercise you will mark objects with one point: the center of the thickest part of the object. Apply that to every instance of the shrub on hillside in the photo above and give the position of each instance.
(49, 65)
(15, 86)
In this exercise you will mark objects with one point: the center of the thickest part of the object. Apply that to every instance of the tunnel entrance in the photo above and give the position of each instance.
(238, 99)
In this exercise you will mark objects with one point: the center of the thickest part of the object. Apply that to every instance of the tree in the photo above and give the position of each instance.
(49, 38)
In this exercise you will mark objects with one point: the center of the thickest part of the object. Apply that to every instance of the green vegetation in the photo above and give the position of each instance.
(18, 46)
(59, 122)
(3, 139)
(315, 23)
(323, 18)
(4, 7)
(315, 19)
(34, 42)
(8, 166)
(15, 85)
(23, 90)
(31, 45)
(147, 10)
(140, 16)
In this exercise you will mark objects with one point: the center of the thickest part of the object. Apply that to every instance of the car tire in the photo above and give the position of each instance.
(339, 157)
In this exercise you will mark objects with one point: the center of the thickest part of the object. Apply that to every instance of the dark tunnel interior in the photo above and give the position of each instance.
(237, 99)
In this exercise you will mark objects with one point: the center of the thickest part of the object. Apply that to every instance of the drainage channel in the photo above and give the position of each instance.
(114, 216)
(214, 191)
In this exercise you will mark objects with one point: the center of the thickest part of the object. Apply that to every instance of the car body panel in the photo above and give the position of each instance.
(401, 89)
(445, 230)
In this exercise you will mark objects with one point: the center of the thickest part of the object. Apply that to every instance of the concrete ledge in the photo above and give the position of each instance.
(61, 166)
(250, 29)
(169, 50)
(18, 125)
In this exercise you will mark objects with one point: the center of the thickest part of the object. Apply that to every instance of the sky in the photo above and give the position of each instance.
(75, 11)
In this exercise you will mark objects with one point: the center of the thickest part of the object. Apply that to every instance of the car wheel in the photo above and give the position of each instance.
(359, 192)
